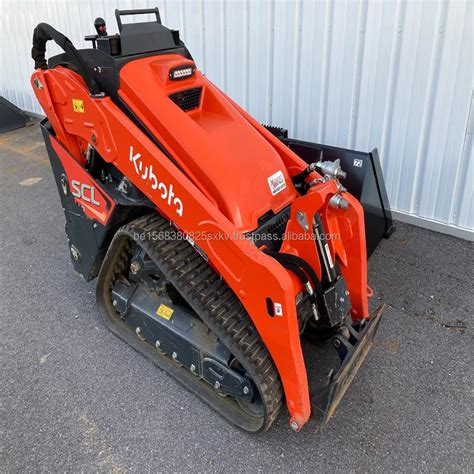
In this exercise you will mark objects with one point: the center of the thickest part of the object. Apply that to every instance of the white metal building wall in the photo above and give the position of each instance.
(397, 75)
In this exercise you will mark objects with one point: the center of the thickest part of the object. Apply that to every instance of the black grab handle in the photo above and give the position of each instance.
(44, 33)
(140, 11)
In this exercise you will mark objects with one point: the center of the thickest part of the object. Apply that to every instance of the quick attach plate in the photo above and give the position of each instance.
(326, 401)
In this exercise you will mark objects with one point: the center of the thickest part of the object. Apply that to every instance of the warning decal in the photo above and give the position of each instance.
(78, 105)
(164, 311)
(276, 182)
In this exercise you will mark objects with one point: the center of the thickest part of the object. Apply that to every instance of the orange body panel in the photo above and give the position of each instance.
(225, 158)
(87, 193)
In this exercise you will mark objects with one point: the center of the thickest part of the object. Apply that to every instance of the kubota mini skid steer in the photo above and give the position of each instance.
(217, 242)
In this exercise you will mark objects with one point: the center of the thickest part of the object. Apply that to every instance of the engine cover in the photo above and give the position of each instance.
(218, 149)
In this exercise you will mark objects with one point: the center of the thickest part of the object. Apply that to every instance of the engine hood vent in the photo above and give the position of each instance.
(187, 99)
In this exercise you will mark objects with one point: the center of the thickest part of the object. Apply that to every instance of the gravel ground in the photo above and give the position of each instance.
(76, 398)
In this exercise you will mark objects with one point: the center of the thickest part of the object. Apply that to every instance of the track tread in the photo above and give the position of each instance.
(209, 294)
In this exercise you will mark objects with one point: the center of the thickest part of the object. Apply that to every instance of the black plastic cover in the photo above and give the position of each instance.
(137, 38)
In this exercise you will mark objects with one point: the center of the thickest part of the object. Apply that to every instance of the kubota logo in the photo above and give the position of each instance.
(84, 191)
(146, 173)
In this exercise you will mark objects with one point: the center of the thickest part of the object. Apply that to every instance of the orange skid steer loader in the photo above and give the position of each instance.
(218, 243)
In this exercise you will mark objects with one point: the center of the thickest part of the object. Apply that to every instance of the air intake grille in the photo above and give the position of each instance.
(188, 99)
(270, 232)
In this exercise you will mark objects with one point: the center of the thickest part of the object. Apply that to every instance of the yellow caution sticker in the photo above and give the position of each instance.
(78, 105)
(164, 311)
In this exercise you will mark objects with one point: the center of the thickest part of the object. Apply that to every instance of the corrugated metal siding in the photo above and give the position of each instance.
(395, 75)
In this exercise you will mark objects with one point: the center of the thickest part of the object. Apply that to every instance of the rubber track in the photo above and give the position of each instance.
(215, 303)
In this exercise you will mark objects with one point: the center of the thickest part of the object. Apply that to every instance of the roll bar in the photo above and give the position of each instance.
(44, 33)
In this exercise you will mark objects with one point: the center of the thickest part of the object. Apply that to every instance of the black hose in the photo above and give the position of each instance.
(44, 33)
(287, 259)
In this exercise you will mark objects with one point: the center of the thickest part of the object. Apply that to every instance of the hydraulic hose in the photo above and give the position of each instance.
(44, 33)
